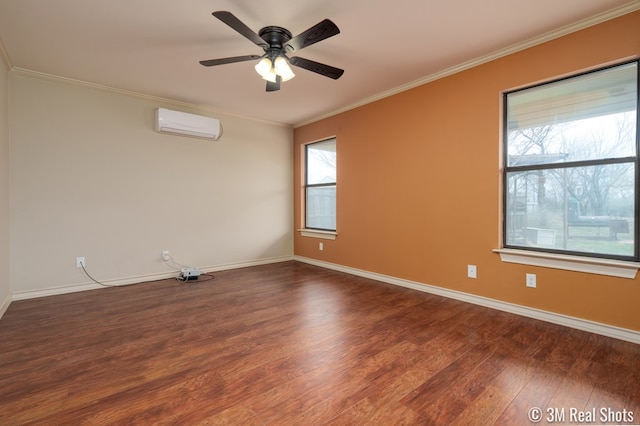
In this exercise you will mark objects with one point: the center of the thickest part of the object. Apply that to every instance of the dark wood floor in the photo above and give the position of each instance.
(291, 343)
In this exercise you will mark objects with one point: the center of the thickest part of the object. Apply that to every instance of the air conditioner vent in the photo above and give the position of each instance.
(185, 124)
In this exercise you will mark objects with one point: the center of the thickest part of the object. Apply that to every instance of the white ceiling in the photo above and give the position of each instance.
(153, 47)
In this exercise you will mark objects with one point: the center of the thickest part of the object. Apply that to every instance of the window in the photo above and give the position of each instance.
(571, 165)
(320, 185)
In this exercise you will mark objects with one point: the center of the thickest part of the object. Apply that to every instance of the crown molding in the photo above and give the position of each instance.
(140, 95)
(560, 32)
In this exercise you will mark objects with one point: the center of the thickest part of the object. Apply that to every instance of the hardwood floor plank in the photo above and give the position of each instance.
(485, 409)
(291, 343)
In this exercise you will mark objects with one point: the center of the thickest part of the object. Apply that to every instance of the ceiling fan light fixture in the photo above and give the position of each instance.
(282, 68)
(265, 68)
(270, 77)
(274, 65)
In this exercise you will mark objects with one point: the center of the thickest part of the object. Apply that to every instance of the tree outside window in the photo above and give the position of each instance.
(571, 165)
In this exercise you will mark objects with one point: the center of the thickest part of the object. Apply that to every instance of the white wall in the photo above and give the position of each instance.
(5, 283)
(90, 177)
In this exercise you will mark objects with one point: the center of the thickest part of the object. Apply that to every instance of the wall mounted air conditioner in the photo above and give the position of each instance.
(185, 124)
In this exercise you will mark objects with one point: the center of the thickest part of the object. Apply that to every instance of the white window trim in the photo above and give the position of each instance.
(585, 264)
(590, 265)
(316, 233)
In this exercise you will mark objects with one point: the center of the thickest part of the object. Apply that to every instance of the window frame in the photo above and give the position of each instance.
(317, 231)
(506, 169)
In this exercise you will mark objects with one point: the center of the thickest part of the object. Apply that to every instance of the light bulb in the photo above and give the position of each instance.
(282, 68)
(271, 76)
(264, 67)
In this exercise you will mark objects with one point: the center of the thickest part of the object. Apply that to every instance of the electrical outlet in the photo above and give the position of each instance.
(165, 255)
(472, 271)
(320, 246)
(531, 280)
(80, 262)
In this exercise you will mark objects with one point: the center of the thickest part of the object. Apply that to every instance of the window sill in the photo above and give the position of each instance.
(314, 233)
(590, 265)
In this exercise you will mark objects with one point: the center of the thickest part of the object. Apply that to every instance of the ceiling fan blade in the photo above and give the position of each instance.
(222, 61)
(273, 87)
(317, 67)
(231, 20)
(318, 32)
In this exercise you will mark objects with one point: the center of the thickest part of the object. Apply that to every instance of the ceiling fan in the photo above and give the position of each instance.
(277, 42)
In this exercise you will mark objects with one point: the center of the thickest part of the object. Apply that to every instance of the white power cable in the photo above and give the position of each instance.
(170, 258)
(93, 279)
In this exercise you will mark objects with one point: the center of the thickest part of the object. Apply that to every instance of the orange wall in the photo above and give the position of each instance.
(419, 182)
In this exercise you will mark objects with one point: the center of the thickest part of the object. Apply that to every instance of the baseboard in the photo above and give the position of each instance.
(5, 305)
(247, 264)
(552, 317)
(140, 278)
(75, 288)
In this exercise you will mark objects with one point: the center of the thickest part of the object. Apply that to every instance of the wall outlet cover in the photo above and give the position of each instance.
(472, 271)
(531, 280)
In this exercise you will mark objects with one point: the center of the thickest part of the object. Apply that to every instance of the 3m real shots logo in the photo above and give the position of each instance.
(574, 415)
